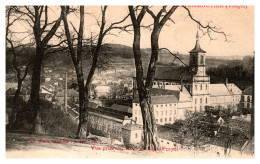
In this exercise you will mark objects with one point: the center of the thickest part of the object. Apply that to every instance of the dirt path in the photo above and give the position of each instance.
(44, 146)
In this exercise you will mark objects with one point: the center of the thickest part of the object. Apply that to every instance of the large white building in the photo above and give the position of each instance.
(187, 90)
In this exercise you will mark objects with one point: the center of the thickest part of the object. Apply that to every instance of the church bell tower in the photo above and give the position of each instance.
(200, 84)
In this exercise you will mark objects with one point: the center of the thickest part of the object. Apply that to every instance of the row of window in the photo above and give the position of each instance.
(201, 100)
(162, 120)
(165, 120)
(157, 112)
(166, 105)
(201, 87)
(165, 83)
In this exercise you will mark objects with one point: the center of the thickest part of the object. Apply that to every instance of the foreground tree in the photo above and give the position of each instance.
(37, 18)
(159, 20)
(76, 56)
(17, 51)
(149, 126)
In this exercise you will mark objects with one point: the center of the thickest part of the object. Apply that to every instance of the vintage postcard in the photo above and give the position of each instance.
(174, 81)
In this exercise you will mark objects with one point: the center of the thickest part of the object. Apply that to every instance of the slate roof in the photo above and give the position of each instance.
(170, 73)
(218, 90)
(248, 91)
(161, 96)
(121, 108)
(197, 48)
(233, 89)
(132, 127)
(183, 95)
(110, 112)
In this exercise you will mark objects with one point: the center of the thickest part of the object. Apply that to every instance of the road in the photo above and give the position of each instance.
(20, 145)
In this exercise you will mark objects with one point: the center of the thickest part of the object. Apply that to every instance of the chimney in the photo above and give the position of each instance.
(226, 81)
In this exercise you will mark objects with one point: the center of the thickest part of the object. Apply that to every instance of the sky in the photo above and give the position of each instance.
(180, 36)
(238, 24)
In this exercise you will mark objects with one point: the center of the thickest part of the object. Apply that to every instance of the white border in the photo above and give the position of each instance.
(127, 2)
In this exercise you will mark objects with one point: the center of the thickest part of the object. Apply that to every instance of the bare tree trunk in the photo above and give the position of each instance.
(149, 126)
(82, 126)
(35, 89)
(15, 107)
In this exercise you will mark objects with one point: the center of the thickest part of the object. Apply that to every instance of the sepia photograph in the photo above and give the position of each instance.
(148, 81)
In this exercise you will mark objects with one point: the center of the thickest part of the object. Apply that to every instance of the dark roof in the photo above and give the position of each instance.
(248, 91)
(197, 48)
(163, 99)
(132, 127)
(121, 108)
(110, 112)
(161, 96)
(170, 73)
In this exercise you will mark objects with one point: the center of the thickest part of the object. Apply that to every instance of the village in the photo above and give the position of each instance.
(220, 110)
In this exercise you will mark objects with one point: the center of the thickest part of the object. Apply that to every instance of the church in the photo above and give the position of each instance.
(177, 92)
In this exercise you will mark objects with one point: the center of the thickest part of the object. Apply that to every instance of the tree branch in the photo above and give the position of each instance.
(207, 27)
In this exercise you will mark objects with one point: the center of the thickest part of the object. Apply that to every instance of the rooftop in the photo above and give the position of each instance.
(219, 90)
(121, 108)
(170, 73)
(248, 91)
(132, 127)
(197, 48)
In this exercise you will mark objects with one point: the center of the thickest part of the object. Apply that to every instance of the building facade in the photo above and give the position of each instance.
(193, 91)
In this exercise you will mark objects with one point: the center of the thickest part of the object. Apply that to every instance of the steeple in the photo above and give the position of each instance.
(197, 48)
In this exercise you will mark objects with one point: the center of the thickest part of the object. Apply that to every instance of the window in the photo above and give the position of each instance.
(135, 119)
(156, 120)
(200, 100)
(200, 86)
(195, 87)
(161, 105)
(136, 135)
(156, 105)
(174, 104)
(170, 104)
(154, 83)
(161, 120)
(168, 143)
(166, 105)
(170, 119)
(166, 112)
(170, 112)
(195, 101)
(174, 111)
(165, 119)
(248, 105)
(206, 86)
(161, 113)
(248, 98)
(206, 100)
(135, 104)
